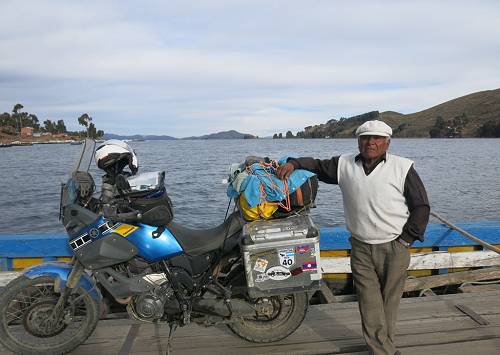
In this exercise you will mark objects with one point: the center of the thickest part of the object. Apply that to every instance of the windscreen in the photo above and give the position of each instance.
(84, 158)
(81, 164)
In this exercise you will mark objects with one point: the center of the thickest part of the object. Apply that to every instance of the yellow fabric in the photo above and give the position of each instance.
(263, 210)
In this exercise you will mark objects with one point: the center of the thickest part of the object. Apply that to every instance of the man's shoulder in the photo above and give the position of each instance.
(347, 157)
(398, 158)
(403, 162)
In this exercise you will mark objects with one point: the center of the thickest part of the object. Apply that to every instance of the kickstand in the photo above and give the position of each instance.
(173, 327)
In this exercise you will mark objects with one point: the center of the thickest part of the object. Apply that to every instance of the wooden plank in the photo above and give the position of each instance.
(129, 339)
(424, 261)
(489, 346)
(420, 308)
(426, 326)
(476, 317)
(336, 276)
(334, 253)
(332, 238)
(333, 336)
(470, 288)
(327, 294)
(451, 279)
(6, 277)
(22, 263)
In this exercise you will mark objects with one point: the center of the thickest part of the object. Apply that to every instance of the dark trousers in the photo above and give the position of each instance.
(379, 274)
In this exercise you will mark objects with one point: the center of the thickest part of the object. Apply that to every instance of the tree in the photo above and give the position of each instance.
(275, 136)
(84, 120)
(92, 132)
(35, 122)
(280, 136)
(6, 120)
(25, 119)
(16, 108)
(490, 129)
(439, 128)
(19, 119)
(289, 134)
(49, 126)
(17, 116)
(440, 123)
(60, 127)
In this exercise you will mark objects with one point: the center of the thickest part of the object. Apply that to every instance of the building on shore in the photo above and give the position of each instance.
(26, 131)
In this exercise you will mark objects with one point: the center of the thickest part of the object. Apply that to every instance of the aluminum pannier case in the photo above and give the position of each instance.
(281, 256)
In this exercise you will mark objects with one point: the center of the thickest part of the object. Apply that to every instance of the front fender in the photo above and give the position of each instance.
(60, 270)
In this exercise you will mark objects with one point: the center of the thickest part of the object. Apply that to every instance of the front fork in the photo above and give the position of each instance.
(71, 283)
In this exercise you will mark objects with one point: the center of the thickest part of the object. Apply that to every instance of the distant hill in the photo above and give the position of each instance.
(220, 135)
(474, 115)
(225, 135)
(138, 137)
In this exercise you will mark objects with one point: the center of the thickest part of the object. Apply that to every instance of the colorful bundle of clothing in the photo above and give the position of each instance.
(260, 193)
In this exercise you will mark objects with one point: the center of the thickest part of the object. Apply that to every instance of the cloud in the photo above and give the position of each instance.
(191, 68)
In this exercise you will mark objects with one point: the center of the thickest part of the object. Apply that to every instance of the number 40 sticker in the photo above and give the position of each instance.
(287, 257)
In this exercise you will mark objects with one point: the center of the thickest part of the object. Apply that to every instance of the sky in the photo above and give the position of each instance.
(184, 68)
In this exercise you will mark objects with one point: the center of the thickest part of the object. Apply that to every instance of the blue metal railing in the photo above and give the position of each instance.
(437, 236)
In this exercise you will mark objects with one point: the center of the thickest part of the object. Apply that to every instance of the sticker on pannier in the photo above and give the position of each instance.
(260, 265)
(312, 266)
(287, 257)
(278, 273)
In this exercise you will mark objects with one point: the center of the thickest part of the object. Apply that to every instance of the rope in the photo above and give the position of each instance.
(479, 283)
(269, 169)
(227, 210)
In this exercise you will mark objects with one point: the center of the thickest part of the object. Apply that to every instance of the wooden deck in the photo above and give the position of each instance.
(460, 324)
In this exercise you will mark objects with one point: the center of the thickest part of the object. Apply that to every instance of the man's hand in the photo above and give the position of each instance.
(284, 171)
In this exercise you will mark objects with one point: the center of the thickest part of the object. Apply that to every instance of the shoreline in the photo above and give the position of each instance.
(15, 141)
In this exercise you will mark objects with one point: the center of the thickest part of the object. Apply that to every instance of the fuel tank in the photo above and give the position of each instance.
(102, 244)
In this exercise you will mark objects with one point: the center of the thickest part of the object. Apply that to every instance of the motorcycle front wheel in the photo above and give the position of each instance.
(25, 306)
(276, 317)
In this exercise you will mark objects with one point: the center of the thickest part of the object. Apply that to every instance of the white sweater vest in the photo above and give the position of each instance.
(374, 205)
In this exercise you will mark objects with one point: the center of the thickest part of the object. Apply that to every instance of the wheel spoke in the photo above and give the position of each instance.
(27, 313)
(275, 318)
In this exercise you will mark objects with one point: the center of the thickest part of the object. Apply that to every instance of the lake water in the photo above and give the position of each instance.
(461, 177)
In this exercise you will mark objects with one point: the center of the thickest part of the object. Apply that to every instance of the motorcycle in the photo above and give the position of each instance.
(127, 249)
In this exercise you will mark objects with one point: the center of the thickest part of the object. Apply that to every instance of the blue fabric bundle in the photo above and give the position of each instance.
(273, 186)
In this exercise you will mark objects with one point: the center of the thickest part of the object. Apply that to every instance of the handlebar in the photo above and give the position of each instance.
(128, 217)
(110, 213)
(135, 216)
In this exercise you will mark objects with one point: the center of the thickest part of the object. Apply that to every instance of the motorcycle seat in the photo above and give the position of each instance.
(200, 241)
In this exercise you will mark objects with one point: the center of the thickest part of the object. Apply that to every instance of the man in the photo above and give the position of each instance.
(386, 210)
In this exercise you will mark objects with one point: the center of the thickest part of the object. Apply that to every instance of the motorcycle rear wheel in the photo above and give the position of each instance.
(24, 307)
(280, 317)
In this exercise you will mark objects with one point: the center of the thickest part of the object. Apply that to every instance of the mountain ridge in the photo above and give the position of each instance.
(231, 134)
(472, 115)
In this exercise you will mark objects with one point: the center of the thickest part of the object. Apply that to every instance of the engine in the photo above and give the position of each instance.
(150, 306)
(156, 299)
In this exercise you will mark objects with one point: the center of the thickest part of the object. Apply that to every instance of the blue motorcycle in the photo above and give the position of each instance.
(129, 250)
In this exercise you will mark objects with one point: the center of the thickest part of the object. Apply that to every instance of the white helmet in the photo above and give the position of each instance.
(113, 155)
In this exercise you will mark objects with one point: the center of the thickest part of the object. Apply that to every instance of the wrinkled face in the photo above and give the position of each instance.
(373, 147)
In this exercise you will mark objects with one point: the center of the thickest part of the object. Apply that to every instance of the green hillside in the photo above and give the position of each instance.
(474, 115)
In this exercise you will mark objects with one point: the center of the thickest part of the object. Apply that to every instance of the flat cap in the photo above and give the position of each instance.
(374, 128)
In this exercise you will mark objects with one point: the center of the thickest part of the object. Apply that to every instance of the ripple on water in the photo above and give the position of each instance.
(462, 187)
